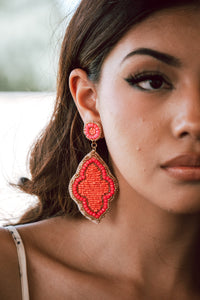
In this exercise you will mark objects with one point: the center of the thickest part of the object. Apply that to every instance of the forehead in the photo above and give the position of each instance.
(168, 30)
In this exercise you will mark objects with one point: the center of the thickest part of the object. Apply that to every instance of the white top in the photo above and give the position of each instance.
(22, 261)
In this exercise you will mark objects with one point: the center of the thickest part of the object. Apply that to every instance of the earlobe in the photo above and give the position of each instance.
(84, 94)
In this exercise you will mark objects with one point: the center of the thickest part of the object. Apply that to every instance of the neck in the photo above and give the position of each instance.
(154, 240)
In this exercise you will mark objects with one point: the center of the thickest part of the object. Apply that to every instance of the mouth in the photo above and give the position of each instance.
(184, 167)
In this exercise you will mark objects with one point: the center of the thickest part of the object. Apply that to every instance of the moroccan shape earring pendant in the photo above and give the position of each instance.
(93, 186)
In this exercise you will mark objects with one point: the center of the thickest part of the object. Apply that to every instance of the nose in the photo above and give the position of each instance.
(186, 122)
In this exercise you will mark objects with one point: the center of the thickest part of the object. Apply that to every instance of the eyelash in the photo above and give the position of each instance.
(137, 78)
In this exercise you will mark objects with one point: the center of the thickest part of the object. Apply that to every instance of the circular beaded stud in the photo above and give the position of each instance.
(93, 131)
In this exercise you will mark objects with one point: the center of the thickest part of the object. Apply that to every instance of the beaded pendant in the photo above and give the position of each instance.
(93, 187)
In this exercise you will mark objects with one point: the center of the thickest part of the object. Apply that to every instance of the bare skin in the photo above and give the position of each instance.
(147, 247)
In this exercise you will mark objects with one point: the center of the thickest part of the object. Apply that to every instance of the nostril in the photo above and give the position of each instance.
(183, 134)
(195, 135)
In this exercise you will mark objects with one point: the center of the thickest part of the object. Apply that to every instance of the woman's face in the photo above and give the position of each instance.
(149, 104)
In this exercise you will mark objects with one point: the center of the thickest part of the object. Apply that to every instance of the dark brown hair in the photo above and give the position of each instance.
(94, 30)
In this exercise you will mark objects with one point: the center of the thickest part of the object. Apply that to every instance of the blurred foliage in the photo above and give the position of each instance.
(30, 33)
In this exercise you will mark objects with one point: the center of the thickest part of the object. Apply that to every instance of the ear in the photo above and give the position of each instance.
(84, 94)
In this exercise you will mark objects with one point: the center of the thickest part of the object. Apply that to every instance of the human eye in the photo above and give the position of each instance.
(149, 81)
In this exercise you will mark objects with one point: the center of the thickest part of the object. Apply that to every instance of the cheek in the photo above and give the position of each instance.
(131, 131)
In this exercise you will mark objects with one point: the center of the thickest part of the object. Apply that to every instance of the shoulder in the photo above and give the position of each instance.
(9, 271)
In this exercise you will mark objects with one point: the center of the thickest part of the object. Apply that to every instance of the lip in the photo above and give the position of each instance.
(184, 167)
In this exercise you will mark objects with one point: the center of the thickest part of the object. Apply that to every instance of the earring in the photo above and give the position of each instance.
(93, 186)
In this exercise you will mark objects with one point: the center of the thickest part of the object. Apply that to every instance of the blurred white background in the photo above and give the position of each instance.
(31, 34)
(22, 117)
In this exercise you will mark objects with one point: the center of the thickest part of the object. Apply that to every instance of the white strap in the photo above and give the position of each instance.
(22, 261)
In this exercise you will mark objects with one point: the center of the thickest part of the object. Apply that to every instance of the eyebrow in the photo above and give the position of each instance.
(166, 58)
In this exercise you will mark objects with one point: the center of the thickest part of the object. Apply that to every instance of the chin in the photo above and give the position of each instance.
(175, 197)
(182, 205)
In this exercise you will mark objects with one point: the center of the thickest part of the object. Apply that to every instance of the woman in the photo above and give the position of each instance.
(131, 69)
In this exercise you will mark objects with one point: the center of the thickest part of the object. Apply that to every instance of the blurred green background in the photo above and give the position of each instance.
(31, 32)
